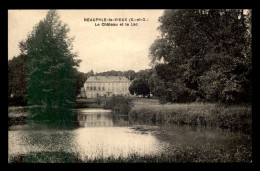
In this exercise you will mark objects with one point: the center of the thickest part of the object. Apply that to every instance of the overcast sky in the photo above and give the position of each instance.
(101, 48)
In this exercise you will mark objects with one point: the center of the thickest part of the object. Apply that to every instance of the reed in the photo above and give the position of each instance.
(204, 114)
(227, 153)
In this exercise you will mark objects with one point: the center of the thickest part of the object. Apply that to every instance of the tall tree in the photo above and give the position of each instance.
(51, 65)
(205, 54)
(130, 74)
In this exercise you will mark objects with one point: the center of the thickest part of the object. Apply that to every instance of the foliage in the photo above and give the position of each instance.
(238, 118)
(17, 74)
(51, 66)
(119, 104)
(80, 82)
(81, 79)
(51, 72)
(203, 55)
(98, 101)
(140, 85)
(130, 74)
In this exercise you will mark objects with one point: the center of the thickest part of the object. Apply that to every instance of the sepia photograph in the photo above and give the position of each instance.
(129, 86)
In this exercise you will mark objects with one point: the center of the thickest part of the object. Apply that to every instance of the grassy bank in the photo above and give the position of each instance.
(178, 154)
(204, 114)
(183, 155)
(233, 117)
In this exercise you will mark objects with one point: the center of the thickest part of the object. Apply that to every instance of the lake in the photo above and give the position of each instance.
(100, 134)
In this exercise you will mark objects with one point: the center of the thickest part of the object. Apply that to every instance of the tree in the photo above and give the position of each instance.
(140, 85)
(17, 74)
(201, 49)
(51, 66)
(130, 74)
(80, 81)
(90, 73)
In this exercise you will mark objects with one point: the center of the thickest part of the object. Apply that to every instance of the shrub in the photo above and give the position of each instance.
(119, 104)
(98, 101)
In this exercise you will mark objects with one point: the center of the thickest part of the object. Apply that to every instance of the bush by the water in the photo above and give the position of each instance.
(231, 117)
(119, 104)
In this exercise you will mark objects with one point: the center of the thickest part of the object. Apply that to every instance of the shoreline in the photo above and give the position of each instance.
(235, 117)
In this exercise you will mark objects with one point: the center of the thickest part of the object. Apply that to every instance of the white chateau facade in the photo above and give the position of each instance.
(106, 86)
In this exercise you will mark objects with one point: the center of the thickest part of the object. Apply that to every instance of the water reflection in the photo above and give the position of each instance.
(115, 141)
(100, 133)
(94, 118)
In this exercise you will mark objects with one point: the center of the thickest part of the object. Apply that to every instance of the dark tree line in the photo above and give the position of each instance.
(130, 74)
(203, 55)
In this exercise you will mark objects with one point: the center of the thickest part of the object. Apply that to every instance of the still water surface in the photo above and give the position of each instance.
(99, 133)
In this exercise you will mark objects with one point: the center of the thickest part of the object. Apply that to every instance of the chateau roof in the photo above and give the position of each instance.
(107, 79)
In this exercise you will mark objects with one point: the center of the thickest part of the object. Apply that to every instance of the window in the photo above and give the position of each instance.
(103, 88)
(98, 116)
(94, 87)
(90, 88)
(98, 88)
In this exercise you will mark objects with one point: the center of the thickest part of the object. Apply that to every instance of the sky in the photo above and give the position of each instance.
(101, 48)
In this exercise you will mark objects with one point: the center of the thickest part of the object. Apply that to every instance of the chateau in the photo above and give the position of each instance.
(106, 86)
